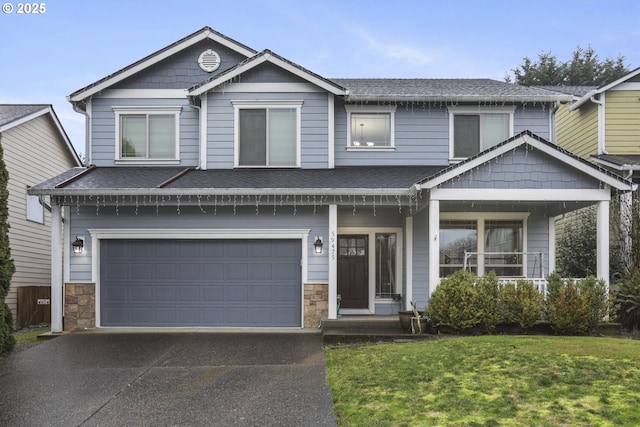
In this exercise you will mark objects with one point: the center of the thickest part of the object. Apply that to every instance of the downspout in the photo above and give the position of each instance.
(601, 133)
(202, 127)
(552, 122)
(87, 131)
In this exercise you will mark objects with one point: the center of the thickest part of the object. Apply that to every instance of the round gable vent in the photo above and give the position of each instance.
(209, 60)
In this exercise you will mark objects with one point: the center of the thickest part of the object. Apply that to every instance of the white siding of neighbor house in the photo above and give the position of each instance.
(33, 153)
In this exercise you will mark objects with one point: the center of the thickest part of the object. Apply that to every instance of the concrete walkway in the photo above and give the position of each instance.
(192, 378)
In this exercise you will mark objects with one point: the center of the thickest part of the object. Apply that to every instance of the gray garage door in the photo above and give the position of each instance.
(200, 283)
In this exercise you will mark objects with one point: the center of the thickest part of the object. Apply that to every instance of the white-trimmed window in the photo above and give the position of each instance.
(474, 130)
(370, 127)
(267, 134)
(492, 242)
(147, 133)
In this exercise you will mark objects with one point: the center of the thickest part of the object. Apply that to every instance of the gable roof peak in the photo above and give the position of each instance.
(154, 58)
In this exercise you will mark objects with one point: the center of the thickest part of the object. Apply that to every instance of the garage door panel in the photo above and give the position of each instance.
(164, 272)
(213, 293)
(165, 293)
(260, 272)
(213, 271)
(189, 293)
(237, 271)
(189, 271)
(200, 283)
(237, 293)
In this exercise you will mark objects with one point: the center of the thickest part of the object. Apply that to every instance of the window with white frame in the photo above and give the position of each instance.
(473, 131)
(500, 249)
(370, 127)
(267, 133)
(147, 133)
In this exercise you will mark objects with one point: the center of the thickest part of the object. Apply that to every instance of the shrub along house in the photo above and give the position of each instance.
(230, 187)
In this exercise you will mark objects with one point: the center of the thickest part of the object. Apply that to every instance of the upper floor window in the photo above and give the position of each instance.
(267, 133)
(147, 133)
(370, 127)
(473, 131)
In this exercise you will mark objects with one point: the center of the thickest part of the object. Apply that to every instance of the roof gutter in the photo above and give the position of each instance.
(589, 96)
(224, 191)
(448, 98)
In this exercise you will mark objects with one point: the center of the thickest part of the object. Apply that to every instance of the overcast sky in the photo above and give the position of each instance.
(45, 57)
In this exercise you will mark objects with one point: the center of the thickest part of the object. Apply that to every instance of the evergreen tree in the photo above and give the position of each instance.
(584, 69)
(7, 268)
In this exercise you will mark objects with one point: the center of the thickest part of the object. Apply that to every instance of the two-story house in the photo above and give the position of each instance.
(35, 147)
(231, 187)
(602, 124)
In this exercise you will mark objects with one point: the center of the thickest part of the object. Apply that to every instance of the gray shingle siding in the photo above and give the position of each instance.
(523, 168)
(181, 71)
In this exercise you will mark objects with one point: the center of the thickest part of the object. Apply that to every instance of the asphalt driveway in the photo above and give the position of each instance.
(168, 379)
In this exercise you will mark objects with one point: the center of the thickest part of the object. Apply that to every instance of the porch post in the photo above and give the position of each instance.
(333, 262)
(408, 262)
(434, 244)
(56, 267)
(602, 235)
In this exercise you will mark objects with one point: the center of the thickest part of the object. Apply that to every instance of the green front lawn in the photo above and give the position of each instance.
(488, 381)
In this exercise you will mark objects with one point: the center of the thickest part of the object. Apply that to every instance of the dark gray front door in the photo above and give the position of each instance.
(200, 283)
(353, 271)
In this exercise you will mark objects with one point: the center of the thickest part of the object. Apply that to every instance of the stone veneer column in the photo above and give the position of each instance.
(316, 304)
(79, 306)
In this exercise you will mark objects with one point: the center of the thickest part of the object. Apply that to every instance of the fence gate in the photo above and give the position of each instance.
(34, 306)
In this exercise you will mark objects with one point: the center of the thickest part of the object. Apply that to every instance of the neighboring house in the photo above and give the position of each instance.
(35, 147)
(602, 124)
(230, 187)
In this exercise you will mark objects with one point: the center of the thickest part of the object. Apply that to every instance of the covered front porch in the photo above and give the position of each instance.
(496, 212)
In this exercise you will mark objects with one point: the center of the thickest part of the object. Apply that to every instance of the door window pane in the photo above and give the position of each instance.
(385, 265)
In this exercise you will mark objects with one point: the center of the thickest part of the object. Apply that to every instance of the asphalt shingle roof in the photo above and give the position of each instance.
(115, 179)
(12, 112)
(444, 89)
(577, 91)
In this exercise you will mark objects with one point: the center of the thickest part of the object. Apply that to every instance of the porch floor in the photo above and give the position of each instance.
(353, 328)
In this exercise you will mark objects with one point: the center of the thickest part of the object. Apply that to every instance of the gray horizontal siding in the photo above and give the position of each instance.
(314, 131)
(222, 217)
(422, 134)
(104, 137)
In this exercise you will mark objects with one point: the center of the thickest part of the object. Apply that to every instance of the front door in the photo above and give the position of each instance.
(353, 271)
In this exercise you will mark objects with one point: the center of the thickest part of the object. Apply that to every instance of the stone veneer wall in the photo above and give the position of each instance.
(316, 304)
(79, 306)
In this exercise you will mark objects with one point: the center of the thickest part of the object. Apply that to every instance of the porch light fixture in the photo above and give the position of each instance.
(78, 245)
(317, 245)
